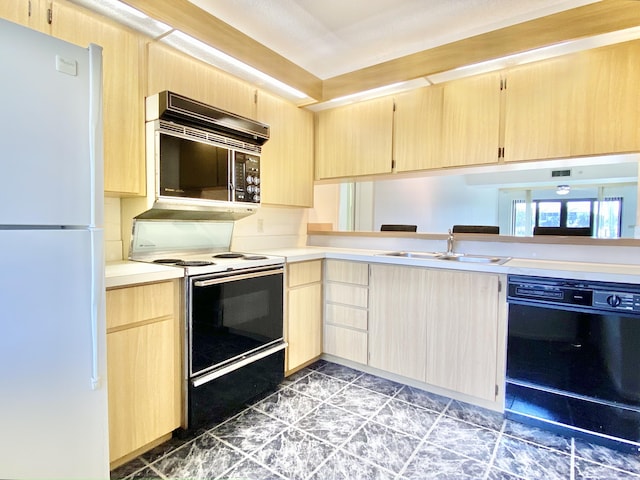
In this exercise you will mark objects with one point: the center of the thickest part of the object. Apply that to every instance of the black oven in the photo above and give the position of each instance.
(235, 345)
(573, 358)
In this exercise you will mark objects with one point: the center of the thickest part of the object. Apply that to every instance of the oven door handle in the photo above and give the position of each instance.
(235, 278)
(235, 366)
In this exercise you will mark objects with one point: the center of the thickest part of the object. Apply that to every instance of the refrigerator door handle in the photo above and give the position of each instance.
(97, 297)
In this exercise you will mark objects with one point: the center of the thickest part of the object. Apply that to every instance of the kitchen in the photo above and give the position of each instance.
(273, 227)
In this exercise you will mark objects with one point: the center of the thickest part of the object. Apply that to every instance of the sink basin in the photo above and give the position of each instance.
(458, 257)
(474, 259)
(423, 255)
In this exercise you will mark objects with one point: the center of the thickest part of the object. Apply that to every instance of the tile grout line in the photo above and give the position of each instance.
(495, 450)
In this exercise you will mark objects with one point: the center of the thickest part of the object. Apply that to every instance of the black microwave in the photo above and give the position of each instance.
(205, 169)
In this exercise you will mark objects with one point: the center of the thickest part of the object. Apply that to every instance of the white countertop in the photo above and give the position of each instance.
(120, 274)
(130, 273)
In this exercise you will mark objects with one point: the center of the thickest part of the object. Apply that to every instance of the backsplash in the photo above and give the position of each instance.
(112, 234)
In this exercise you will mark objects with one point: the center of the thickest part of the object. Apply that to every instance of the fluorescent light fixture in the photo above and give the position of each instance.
(213, 56)
(127, 15)
(369, 94)
(563, 190)
(542, 53)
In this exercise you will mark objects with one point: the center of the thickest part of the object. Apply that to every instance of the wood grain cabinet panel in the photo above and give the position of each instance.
(30, 13)
(123, 102)
(471, 121)
(346, 310)
(304, 314)
(417, 129)
(462, 332)
(171, 70)
(398, 313)
(287, 158)
(144, 366)
(355, 139)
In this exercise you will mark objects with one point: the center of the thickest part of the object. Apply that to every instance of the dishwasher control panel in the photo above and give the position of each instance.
(617, 300)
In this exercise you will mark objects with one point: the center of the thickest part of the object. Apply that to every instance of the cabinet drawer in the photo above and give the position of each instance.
(140, 303)
(347, 272)
(345, 343)
(304, 272)
(347, 294)
(346, 316)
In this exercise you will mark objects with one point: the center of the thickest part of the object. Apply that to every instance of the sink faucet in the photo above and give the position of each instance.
(450, 240)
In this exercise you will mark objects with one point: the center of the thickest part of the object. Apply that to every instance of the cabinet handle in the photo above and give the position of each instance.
(50, 15)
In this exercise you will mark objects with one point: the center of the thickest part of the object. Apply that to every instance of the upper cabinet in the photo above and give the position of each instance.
(355, 139)
(471, 121)
(30, 13)
(287, 158)
(171, 70)
(417, 129)
(576, 105)
(124, 171)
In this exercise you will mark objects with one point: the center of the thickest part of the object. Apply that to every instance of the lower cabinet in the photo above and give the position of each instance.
(442, 327)
(304, 314)
(144, 367)
(346, 310)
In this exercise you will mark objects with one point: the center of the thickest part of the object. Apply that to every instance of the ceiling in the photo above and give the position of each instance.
(334, 37)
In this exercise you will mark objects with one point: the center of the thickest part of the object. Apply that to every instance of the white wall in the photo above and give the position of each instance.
(434, 204)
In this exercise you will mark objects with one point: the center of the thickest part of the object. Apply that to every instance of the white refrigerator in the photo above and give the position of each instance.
(53, 396)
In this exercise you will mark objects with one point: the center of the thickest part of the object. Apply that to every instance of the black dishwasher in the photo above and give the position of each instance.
(573, 358)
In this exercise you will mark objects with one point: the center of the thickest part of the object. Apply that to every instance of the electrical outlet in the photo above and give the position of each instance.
(260, 225)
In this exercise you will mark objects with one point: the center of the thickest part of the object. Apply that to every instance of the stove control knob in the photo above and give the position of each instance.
(257, 180)
(614, 301)
(250, 189)
(256, 198)
(250, 179)
(256, 189)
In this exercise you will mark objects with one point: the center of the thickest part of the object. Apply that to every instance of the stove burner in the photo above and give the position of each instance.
(229, 255)
(167, 260)
(194, 263)
(255, 257)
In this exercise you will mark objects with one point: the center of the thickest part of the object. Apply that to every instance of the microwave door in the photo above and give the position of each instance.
(193, 169)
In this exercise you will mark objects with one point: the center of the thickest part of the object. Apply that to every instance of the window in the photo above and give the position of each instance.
(602, 218)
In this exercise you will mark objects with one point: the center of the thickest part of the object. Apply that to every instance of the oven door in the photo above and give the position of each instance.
(234, 316)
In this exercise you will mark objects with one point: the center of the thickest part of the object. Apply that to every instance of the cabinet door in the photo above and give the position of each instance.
(355, 139)
(142, 372)
(462, 333)
(543, 105)
(611, 110)
(417, 129)
(471, 121)
(123, 104)
(171, 70)
(30, 13)
(398, 310)
(304, 325)
(287, 158)
(304, 313)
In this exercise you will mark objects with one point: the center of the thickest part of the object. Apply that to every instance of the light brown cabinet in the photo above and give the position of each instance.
(287, 158)
(304, 314)
(417, 129)
(355, 139)
(346, 309)
(463, 332)
(30, 13)
(398, 320)
(171, 70)
(442, 327)
(575, 105)
(143, 367)
(471, 121)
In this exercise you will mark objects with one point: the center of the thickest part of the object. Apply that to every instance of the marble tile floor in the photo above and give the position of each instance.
(332, 422)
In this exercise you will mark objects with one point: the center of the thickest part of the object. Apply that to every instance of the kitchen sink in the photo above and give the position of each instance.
(423, 255)
(456, 257)
(475, 259)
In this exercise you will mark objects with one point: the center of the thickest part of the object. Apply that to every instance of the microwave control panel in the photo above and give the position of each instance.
(246, 181)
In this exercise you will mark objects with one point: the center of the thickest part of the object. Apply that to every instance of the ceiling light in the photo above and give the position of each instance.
(563, 190)
(127, 15)
(195, 48)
